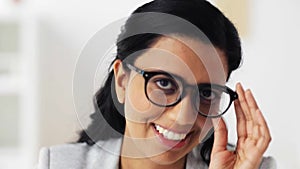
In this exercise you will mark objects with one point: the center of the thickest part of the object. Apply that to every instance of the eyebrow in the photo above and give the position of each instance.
(142, 71)
(181, 78)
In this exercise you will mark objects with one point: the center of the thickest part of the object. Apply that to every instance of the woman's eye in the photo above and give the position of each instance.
(208, 94)
(164, 84)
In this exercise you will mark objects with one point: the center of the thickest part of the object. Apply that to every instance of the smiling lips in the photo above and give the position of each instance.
(170, 135)
(171, 139)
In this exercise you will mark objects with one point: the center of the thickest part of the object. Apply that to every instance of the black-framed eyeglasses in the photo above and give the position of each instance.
(164, 89)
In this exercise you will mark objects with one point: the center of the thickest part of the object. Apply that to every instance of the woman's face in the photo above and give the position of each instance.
(166, 134)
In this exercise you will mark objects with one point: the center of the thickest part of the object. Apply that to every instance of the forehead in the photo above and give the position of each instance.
(188, 58)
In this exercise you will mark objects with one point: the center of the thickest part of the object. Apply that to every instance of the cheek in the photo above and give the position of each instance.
(205, 124)
(137, 98)
(137, 107)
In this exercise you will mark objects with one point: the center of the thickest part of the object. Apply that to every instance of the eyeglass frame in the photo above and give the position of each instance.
(149, 74)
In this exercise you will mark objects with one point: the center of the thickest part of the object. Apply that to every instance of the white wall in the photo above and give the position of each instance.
(270, 66)
(64, 28)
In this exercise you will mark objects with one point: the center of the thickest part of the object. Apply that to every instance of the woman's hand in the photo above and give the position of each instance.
(253, 136)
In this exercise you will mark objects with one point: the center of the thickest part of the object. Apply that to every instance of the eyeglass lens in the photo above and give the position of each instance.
(164, 90)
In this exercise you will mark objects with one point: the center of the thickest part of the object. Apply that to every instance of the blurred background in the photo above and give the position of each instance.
(40, 41)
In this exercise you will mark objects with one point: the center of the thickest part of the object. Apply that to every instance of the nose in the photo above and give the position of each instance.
(185, 113)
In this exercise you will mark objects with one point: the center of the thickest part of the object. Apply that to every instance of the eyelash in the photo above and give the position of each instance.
(173, 86)
(216, 95)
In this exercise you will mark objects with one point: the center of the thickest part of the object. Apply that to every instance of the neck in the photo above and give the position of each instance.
(132, 158)
(146, 163)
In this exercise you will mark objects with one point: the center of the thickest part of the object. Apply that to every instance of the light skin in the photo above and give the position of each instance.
(141, 148)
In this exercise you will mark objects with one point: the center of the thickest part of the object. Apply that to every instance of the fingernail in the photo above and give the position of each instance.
(239, 84)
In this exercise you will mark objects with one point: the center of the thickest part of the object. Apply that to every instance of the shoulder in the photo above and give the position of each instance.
(79, 155)
(63, 156)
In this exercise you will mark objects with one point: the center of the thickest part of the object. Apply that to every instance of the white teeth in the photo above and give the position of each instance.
(169, 134)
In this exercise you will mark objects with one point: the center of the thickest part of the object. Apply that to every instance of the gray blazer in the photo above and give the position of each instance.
(105, 155)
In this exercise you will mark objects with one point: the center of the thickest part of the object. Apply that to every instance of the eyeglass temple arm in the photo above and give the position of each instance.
(134, 68)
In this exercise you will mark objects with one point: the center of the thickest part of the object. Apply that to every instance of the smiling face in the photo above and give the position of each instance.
(166, 134)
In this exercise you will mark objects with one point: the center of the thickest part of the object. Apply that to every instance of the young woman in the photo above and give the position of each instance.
(162, 104)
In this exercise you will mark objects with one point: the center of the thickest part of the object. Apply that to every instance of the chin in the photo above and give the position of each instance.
(168, 158)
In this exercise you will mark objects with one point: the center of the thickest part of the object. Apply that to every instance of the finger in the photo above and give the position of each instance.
(258, 118)
(243, 101)
(220, 135)
(241, 122)
(262, 144)
(264, 130)
(261, 119)
(252, 105)
(245, 109)
(256, 133)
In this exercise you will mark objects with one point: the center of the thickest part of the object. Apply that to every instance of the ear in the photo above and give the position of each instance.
(120, 80)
